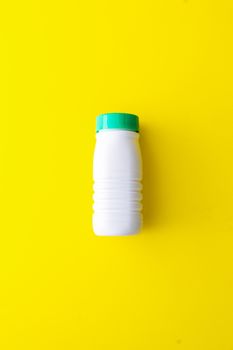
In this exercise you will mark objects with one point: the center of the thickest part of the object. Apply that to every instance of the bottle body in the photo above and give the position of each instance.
(117, 173)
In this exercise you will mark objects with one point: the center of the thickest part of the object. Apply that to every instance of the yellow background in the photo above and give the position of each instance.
(61, 64)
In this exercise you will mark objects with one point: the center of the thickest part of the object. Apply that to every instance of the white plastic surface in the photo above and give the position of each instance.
(117, 176)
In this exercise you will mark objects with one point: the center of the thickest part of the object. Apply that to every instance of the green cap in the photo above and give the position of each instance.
(123, 121)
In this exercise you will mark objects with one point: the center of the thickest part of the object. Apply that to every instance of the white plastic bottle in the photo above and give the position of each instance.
(117, 176)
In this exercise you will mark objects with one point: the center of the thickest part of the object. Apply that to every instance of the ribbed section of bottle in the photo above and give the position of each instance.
(117, 207)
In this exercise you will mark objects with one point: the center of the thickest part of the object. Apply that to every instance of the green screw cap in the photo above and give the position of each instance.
(124, 121)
